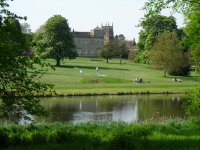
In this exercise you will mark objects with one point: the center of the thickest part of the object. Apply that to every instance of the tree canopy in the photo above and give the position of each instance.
(107, 52)
(120, 47)
(151, 27)
(167, 53)
(190, 10)
(54, 40)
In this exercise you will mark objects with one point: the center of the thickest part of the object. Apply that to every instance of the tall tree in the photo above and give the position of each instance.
(59, 38)
(20, 86)
(151, 27)
(165, 56)
(120, 47)
(154, 25)
(107, 52)
(193, 33)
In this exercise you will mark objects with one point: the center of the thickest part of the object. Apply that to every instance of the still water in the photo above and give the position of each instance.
(113, 108)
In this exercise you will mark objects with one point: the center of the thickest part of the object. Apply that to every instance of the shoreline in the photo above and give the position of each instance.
(114, 94)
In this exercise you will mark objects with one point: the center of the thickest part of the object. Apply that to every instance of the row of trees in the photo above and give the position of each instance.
(190, 10)
(162, 45)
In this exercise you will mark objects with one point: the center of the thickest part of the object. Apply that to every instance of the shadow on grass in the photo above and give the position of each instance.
(86, 144)
(89, 67)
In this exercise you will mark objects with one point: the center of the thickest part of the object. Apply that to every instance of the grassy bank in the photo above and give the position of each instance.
(102, 136)
(118, 78)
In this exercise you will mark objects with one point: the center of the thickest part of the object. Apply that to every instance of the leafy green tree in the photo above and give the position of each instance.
(120, 47)
(167, 52)
(151, 27)
(193, 33)
(107, 52)
(40, 43)
(154, 25)
(59, 39)
(20, 85)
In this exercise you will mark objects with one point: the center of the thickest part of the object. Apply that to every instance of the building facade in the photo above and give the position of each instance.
(88, 44)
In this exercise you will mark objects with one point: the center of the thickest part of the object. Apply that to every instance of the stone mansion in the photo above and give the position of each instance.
(88, 44)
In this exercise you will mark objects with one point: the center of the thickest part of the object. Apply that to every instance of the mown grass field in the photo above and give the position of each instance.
(118, 79)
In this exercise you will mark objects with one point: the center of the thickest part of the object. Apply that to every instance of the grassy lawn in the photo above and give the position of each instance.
(118, 79)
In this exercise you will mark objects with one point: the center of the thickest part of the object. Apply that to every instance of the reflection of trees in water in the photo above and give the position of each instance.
(61, 112)
(20, 109)
(115, 108)
(127, 112)
(16, 111)
(168, 106)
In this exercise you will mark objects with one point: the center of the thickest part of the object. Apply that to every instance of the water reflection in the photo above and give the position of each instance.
(113, 108)
(127, 112)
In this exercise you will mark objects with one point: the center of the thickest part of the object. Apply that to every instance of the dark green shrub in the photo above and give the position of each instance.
(4, 137)
(127, 137)
(40, 137)
(64, 136)
(181, 71)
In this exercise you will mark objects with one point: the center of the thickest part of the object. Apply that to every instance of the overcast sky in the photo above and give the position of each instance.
(84, 15)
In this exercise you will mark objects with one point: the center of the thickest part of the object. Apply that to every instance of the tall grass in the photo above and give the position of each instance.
(101, 136)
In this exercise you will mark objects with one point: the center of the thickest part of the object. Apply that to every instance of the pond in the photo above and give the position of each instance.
(133, 108)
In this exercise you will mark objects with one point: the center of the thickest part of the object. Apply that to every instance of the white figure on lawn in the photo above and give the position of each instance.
(81, 73)
(97, 69)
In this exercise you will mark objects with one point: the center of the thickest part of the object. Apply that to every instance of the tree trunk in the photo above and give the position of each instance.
(120, 58)
(58, 61)
(107, 60)
(165, 72)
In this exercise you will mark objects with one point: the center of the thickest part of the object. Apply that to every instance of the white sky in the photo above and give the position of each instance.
(84, 15)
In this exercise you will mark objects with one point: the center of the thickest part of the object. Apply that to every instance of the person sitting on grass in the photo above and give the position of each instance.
(138, 80)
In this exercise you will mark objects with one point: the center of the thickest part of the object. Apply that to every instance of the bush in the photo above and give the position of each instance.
(40, 137)
(4, 138)
(142, 57)
(181, 71)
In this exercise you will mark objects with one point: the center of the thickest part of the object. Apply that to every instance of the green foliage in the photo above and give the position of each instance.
(94, 133)
(167, 57)
(182, 68)
(39, 43)
(142, 57)
(101, 136)
(152, 26)
(132, 54)
(120, 47)
(55, 40)
(190, 9)
(107, 52)
(193, 32)
(20, 83)
(192, 106)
